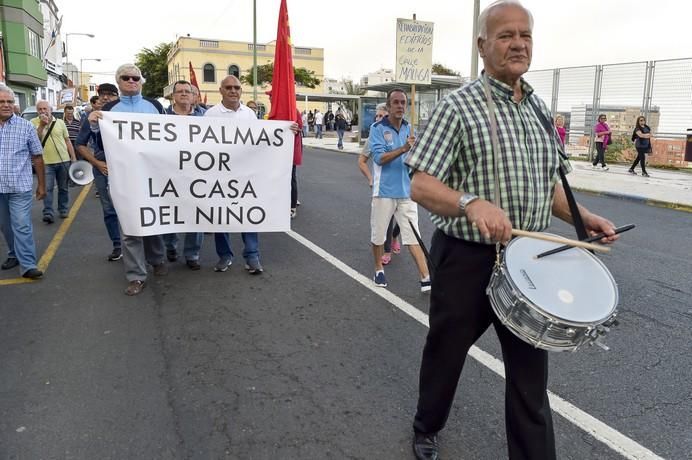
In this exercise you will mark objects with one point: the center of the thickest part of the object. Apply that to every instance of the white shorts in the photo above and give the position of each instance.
(404, 211)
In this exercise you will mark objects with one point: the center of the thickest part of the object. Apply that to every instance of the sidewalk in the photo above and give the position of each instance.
(665, 188)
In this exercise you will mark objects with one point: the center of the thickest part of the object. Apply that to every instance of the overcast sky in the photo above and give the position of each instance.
(358, 36)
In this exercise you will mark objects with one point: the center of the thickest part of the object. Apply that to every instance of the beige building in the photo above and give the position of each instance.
(213, 60)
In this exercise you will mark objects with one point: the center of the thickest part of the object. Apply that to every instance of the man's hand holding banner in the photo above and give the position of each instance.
(198, 174)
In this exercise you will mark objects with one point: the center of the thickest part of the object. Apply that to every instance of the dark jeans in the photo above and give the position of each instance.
(641, 159)
(294, 188)
(459, 314)
(600, 154)
(110, 217)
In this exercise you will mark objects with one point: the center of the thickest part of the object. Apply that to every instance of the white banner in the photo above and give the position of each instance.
(173, 174)
(414, 41)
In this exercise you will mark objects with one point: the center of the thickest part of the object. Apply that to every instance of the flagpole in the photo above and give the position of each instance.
(413, 101)
(254, 51)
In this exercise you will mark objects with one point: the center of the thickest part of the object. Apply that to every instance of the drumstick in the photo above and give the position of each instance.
(622, 229)
(558, 239)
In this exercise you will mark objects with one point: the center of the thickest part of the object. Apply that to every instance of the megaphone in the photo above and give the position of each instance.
(81, 172)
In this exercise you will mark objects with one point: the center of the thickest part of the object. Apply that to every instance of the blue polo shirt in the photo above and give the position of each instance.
(390, 180)
(18, 142)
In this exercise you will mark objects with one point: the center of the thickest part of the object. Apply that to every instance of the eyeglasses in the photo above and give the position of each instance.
(130, 78)
(7, 102)
(230, 87)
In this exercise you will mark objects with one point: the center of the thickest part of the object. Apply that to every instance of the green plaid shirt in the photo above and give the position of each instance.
(456, 148)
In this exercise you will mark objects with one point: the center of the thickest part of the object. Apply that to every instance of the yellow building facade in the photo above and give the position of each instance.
(213, 60)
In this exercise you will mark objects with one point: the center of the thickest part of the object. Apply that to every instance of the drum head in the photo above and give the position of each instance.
(572, 285)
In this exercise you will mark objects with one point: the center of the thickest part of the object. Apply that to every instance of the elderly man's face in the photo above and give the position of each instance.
(506, 51)
(43, 108)
(182, 94)
(130, 83)
(6, 105)
(230, 92)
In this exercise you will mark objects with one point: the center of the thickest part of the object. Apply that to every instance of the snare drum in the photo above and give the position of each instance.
(558, 302)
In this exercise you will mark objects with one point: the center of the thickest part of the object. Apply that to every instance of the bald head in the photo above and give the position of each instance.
(231, 91)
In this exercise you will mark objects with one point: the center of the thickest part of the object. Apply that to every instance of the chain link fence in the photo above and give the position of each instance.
(661, 91)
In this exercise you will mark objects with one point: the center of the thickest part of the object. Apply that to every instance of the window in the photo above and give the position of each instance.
(209, 72)
(34, 44)
(234, 70)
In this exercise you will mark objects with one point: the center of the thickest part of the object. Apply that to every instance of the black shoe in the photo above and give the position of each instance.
(172, 255)
(425, 446)
(33, 273)
(193, 265)
(11, 262)
(48, 219)
(117, 254)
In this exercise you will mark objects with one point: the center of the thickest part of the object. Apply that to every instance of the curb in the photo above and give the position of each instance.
(641, 199)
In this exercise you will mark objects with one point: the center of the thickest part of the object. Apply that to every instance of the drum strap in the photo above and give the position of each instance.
(573, 208)
(494, 139)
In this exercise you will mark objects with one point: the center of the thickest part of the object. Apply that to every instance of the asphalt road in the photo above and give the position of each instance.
(306, 362)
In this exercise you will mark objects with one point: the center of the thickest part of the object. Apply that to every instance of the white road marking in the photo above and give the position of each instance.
(617, 441)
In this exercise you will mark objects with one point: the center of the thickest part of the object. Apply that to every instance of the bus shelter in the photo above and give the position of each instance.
(427, 97)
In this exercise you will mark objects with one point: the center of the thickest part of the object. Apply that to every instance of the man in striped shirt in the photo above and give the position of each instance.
(454, 178)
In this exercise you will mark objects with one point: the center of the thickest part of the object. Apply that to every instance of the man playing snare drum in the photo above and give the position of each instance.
(454, 179)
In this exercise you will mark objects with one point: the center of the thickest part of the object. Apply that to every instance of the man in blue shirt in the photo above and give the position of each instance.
(390, 139)
(137, 250)
(182, 105)
(19, 145)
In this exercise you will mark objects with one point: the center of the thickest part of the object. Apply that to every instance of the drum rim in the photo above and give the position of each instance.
(503, 267)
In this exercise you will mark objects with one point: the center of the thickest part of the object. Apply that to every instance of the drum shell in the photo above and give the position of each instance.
(536, 325)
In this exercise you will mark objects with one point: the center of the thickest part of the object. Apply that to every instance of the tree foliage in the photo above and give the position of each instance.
(265, 72)
(353, 88)
(154, 67)
(439, 69)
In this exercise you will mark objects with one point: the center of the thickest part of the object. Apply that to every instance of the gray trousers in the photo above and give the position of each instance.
(138, 251)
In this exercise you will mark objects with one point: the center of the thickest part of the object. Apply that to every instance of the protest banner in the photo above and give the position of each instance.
(198, 174)
(414, 41)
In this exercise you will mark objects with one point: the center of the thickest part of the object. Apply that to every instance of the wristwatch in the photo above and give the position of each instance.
(464, 200)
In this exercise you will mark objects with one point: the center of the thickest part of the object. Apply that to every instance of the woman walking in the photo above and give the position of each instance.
(642, 142)
(603, 134)
(560, 128)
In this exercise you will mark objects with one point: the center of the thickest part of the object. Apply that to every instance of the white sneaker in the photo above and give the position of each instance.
(604, 168)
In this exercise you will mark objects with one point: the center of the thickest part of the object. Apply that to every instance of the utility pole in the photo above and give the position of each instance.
(474, 40)
(254, 51)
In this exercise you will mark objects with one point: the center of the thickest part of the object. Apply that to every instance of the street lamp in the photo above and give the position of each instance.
(67, 46)
(81, 70)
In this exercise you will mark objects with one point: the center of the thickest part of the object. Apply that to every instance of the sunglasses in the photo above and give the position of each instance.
(230, 87)
(130, 78)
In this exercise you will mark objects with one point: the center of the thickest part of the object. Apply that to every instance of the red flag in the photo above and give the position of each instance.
(193, 77)
(283, 81)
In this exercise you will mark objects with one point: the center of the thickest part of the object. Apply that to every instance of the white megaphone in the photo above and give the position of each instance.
(81, 172)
